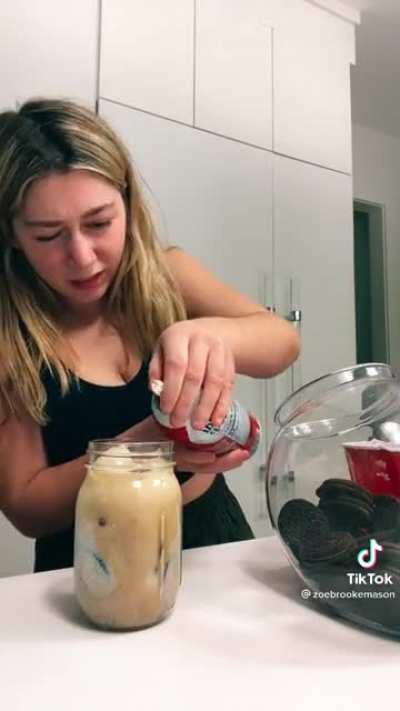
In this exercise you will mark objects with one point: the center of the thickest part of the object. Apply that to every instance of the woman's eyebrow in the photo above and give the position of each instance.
(56, 223)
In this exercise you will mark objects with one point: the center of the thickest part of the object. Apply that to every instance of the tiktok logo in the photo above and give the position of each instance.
(367, 557)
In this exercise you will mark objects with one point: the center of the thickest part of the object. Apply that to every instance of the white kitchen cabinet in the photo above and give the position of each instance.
(313, 51)
(276, 75)
(147, 56)
(48, 49)
(234, 71)
(271, 75)
(215, 199)
(313, 237)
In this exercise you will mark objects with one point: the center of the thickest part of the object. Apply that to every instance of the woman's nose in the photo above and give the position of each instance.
(80, 251)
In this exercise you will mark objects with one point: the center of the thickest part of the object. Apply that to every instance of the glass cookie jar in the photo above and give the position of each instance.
(338, 518)
(127, 559)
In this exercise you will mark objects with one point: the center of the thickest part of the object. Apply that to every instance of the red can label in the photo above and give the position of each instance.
(239, 429)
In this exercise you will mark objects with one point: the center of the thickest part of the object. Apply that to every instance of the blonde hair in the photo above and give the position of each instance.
(43, 137)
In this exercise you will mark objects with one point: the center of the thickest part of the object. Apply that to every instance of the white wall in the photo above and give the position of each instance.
(48, 49)
(376, 176)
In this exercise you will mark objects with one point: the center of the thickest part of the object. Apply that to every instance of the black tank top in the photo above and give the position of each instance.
(90, 411)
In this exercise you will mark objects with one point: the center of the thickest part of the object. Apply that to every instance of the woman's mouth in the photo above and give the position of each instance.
(90, 283)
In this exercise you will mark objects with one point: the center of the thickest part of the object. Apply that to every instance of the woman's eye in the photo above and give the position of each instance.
(100, 225)
(49, 237)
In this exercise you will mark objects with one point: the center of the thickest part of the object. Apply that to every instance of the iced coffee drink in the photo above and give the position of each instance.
(127, 562)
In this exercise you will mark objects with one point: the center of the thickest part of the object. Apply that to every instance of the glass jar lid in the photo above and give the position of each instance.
(341, 401)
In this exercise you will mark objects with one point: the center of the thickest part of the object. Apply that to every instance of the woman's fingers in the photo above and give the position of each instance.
(223, 403)
(213, 385)
(186, 457)
(192, 382)
(189, 460)
(174, 357)
(198, 373)
(231, 460)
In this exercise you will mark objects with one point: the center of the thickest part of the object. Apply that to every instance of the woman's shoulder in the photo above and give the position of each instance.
(173, 255)
(187, 272)
(203, 292)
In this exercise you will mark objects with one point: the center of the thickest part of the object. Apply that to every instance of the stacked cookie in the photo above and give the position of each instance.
(345, 517)
(325, 540)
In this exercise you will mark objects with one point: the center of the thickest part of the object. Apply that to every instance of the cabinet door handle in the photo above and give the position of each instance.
(295, 316)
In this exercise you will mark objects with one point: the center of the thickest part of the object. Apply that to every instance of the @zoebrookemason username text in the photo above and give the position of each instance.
(307, 594)
(366, 558)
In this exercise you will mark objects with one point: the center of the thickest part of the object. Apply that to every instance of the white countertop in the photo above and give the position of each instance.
(240, 637)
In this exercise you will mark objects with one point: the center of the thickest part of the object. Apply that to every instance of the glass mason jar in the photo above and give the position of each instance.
(127, 559)
(333, 490)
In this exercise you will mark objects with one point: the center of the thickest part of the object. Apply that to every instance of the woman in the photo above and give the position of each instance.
(92, 308)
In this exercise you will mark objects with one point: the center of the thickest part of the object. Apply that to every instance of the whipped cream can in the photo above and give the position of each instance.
(239, 429)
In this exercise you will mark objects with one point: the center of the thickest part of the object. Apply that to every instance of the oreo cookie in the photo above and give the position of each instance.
(382, 537)
(299, 519)
(390, 556)
(347, 506)
(347, 513)
(334, 549)
(386, 513)
(317, 527)
(344, 487)
(327, 548)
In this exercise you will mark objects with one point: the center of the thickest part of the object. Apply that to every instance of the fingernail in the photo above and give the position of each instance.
(198, 424)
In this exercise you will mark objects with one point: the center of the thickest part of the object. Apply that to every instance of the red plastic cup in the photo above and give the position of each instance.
(376, 469)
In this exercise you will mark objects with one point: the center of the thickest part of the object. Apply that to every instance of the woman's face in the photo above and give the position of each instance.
(71, 229)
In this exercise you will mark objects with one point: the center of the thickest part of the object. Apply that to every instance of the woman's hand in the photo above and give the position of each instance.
(193, 363)
(187, 460)
(190, 460)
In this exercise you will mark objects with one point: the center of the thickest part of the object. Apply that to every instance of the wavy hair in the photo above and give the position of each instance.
(44, 137)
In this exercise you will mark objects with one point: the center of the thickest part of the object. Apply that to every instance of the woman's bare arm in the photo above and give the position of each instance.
(40, 499)
(263, 344)
(36, 498)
